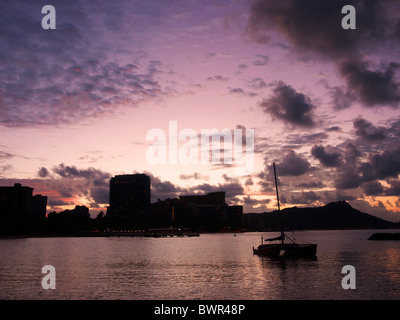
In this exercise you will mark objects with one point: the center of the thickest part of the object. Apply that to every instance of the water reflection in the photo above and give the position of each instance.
(214, 266)
(286, 278)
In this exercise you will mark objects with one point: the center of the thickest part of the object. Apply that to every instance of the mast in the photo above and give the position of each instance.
(276, 187)
(277, 198)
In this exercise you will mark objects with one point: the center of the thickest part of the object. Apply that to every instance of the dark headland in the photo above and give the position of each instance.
(335, 215)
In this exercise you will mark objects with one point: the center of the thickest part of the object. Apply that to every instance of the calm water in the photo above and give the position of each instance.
(212, 266)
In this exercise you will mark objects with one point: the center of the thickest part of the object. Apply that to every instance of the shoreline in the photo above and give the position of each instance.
(100, 234)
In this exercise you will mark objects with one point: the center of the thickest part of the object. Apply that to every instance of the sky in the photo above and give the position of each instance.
(77, 103)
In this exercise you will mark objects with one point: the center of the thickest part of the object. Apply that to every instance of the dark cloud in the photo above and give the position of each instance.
(371, 87)
(347, 178)
(327, 156)
(367, 131)
(43, 172)
(305, 198)
(375, 188)
(161, 189)
(100, 195)
(393, 189)
(292, 165)
(386, 164)
(73, 172)
(351, 152)
(372, 188)
(71, 182)
(333, 129)
(232, 190)
(314, 29)
(311, 185)
(253, 202)
(314, 26)
(57, 203)
(291, 107)
(366, 173)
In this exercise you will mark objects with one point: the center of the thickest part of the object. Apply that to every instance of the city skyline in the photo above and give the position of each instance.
(130, 208)
(77, 102)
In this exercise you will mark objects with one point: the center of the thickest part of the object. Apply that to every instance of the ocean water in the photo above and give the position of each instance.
(209, 267)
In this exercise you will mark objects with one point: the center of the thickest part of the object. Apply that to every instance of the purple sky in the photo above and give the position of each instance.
(77, 102)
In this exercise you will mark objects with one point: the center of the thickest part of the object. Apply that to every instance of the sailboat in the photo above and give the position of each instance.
(282, 248)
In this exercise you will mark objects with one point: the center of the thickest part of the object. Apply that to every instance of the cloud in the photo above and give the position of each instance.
(341, 98)
(288, 105)
(386, 164)
(256, 83)
(358, 171)
(75, 73)
(372, 88)
(305, 198)
(240, 91)
(351, 153)
(311, 185)
(368, 132)
(232, 190)
(302, 139)
(313, 26)
(327, 156)
(72, 183)
(95, 175)
(43, 173)
(347, 178)
(100, 195)
(372, 188)
(313, 30)
(292, 165)
(261, 60)
(4, 155)
(218, 78)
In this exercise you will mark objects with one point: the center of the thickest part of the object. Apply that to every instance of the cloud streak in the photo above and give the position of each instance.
(74, 73)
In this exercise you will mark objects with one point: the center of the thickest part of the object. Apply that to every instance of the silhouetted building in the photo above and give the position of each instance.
(211, 198)
(206, 212)
(129, 200)
(235, 217)
(39, 205)
(19, 209)
(69, 221)
(166, 213)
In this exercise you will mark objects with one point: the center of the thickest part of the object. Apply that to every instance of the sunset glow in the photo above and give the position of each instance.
(77, 102)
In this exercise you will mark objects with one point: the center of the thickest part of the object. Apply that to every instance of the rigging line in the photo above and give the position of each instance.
(282, 197)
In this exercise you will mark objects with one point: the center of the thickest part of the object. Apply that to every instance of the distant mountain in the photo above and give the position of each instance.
(335, 215)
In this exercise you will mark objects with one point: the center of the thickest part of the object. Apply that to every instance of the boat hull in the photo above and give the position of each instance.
(268, 250)
(299, 250)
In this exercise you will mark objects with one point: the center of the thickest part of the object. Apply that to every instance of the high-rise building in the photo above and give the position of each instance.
(129, 198)
(19, 209)
(39, 204)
